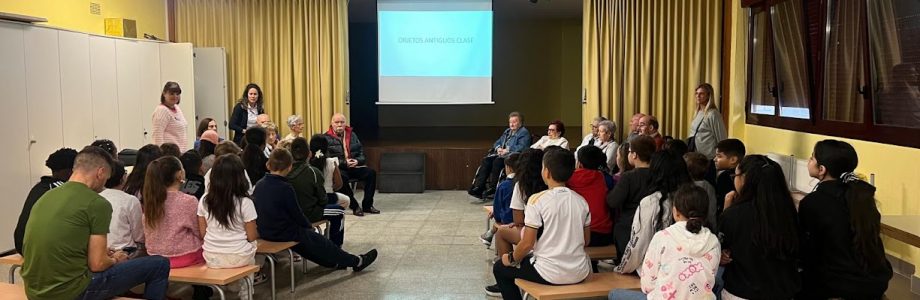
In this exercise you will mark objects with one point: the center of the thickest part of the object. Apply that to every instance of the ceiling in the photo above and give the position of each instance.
(364, 11)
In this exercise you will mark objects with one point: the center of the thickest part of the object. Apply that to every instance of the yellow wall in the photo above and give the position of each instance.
(75, 14)
(896, 168)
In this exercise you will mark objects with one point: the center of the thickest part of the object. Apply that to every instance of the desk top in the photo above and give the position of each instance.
(902, 228)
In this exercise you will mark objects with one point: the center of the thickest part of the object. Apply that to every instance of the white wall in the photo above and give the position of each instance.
(65, 89)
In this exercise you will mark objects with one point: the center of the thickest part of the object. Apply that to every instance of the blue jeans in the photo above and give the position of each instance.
(152, 271)
(620, 294)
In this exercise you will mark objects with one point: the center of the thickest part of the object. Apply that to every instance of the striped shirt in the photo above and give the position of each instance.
(169, 126)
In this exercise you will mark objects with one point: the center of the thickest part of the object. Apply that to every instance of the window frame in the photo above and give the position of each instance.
(866, 130)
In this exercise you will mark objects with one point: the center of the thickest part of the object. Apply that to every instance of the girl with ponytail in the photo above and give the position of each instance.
(682, 259)
(842, 253)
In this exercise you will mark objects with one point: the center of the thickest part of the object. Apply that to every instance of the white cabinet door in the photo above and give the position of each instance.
(76, 89)
(14, 172)
(150, 85)
(105, 90)
(43, 89)
(211, 87)
(176, 65)
(130, 120)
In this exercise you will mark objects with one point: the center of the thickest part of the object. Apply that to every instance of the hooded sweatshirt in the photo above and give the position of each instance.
(590, 184)
(680, 264)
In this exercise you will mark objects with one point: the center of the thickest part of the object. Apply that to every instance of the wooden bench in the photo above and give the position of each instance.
(603, 252)
(270, 249)
(15, 262)
(10, 291)
(215, 278)
(596, 285)
(903, 228)
(17, 292)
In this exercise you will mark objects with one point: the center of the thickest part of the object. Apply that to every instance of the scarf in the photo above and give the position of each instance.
(346, 140)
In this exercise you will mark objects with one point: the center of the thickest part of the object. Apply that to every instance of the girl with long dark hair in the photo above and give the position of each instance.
(528, 180)
(227, 219)
(842, 253)
(760, 234)
(254, 154)
(135, 183)
(669, 172)
(170, 222)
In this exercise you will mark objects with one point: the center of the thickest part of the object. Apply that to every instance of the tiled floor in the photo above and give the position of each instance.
(429, 249)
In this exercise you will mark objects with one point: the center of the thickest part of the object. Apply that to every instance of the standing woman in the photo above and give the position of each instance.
(245, 112)
(169, 123)
(707, 128)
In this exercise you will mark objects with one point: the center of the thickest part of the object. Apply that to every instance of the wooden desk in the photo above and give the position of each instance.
(902, 228)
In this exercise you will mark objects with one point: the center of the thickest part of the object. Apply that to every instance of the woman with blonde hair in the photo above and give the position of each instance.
(707, 128)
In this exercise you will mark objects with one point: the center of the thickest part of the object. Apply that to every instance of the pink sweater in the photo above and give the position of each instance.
(177, 233)
(169, 126)
(680, 264)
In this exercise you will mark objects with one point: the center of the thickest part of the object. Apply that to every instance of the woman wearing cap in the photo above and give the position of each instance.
(169, 125)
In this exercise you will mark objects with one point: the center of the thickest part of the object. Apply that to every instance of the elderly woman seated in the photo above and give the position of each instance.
(514, 139)
(295, 123)
(553, 137)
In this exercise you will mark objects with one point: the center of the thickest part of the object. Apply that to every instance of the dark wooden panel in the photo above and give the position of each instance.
(445, 168)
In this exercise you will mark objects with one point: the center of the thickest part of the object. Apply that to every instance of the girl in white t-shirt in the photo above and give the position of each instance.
(227, 218)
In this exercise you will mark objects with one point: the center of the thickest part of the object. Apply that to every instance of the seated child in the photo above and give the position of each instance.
(682, 259)
(227, 219)
(281, 219)
(126, 230)
(697, 165)
(588, 181)
(194, 182)
(501, 205)
(842, 253)
(563, 217)
(760, 234)
(729, 153)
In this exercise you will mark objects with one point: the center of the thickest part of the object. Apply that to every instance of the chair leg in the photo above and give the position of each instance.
(13, 273)
(219, 291)
(271, 264)
(291, 253)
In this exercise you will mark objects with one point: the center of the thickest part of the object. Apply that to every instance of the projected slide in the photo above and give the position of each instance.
(435, 53)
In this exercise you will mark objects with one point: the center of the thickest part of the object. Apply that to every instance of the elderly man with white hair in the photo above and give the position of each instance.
(344, 145)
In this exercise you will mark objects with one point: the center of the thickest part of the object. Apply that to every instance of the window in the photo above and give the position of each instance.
(791, 64)
(836, 67)
(844, 67)
(895, 47)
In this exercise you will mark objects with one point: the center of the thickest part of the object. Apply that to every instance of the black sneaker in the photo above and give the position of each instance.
(489, 193)
(366, 260)
(475, 192)
(493, 291)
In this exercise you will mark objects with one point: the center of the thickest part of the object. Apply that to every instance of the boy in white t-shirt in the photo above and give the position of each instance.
(126, 231)
(562, 218)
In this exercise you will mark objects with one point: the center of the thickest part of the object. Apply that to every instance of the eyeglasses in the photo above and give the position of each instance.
(551, 129)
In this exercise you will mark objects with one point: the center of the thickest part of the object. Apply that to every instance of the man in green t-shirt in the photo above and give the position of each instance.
(65, 239)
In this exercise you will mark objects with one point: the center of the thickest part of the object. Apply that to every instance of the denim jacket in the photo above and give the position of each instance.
(517, 142)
